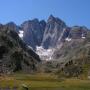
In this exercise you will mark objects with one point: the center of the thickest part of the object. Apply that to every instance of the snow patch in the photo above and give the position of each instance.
(68, 39)
(29, 47)
(45, 54)
(83, 36)
(21, 33)
(61, 35)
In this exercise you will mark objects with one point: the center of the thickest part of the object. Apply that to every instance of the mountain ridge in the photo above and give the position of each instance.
(49, 34)
(64, 49)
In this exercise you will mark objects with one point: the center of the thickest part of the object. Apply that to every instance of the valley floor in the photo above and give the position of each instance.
(42, 82)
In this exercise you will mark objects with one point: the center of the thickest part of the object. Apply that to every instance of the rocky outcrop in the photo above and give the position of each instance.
(78, 32)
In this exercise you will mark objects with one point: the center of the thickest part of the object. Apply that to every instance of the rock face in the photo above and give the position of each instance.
(41, 33)
(75, 41)
(54, 29)
(33, 32)
(14, 54)
(78, 32)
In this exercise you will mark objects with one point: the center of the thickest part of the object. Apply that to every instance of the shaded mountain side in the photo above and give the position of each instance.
(33, 32)
(14, 53)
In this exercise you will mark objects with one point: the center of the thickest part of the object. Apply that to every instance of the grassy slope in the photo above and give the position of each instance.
(44, 82)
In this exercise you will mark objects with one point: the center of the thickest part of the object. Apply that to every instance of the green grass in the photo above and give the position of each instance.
(85, 68)
(43, 82)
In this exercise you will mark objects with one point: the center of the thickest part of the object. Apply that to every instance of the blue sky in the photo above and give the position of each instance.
(73, 12)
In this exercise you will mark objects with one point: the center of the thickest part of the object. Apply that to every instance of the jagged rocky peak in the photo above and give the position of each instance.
(55, 19)
(33, 32)
(37, 33)
(35, 20)
(78, 32)
(42, 24)
(53, 30)
(12, 26)
(51, 18)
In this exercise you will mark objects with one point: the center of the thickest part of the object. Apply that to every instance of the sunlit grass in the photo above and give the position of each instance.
(44, 82)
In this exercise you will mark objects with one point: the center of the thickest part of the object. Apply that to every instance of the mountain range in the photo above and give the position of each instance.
(45, 37)
(62, 47)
